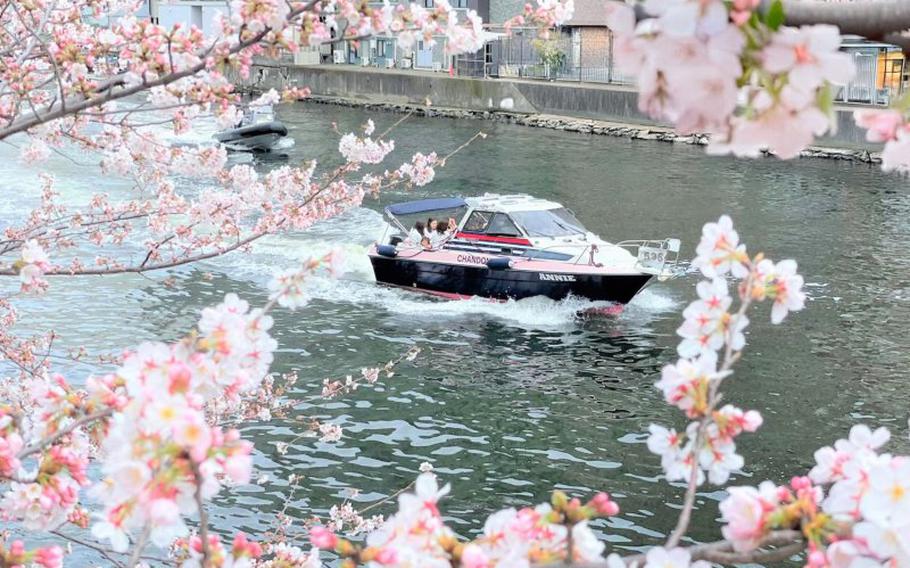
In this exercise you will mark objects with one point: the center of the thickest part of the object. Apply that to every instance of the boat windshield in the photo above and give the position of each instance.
(549, 222)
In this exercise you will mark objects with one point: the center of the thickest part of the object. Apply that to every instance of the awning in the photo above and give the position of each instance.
(412, 207)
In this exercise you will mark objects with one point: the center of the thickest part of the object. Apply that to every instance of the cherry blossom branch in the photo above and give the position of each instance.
(786, 543)
(730, 358)
(145, 266)
(106, 552)
(140, 546)
(723, 552)
(332, 388)
(68, 429)
(203, 515)
(108, 93)
(99, 549)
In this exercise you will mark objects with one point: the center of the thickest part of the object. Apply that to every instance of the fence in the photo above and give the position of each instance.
(585, 54)
(582, 54)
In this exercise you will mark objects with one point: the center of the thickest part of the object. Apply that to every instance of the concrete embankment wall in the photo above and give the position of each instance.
(589, 101)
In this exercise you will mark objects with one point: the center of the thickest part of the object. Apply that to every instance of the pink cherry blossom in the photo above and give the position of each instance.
(323, 538)
(786, 290)
(329, 432)
(688, 17)
(719, 252)
(659, 557)
(810, 56)
(896, 155)
(473, 556)
(419, 171)
(288, 288)
(888, 497)
(695, 69)
(885, 540)
(745, 513)
(35, 151)
(881, 125)
(49, 557)
(363, 150)
(781, 130)
(686, 383)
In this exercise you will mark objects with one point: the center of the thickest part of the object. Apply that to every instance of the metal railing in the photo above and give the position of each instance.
(582, 55)
(586, 55)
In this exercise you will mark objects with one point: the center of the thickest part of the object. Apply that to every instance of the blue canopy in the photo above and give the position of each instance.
(411, 207)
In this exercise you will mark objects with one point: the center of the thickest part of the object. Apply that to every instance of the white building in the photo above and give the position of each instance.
(201, 13)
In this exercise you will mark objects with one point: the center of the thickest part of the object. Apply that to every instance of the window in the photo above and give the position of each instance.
(478, 221)
(491, 224)
(385, 48)
(549, 223)
(502, 226)
(429, 3)
(460, 3)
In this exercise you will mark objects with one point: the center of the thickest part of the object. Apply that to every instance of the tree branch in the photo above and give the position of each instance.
(883, 20)
(203, 516)
(870, 19)
(99, 549)
(107, 92)
(50, 440)
(785, 543)
(140, 546)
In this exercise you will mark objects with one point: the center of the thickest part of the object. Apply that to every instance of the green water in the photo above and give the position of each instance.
(511, 400)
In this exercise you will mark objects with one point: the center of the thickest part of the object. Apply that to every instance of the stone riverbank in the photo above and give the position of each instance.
(580, 125)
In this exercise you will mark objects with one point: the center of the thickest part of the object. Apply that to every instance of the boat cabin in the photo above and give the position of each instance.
(513, 246)
(513, 220)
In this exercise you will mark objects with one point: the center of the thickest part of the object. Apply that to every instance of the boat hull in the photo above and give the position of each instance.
(463, 280)
(253, 138)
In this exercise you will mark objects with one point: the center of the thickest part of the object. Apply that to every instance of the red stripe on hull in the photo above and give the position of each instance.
(491, 239)
(438, 294)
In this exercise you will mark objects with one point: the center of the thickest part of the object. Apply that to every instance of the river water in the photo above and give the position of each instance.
(510, 400)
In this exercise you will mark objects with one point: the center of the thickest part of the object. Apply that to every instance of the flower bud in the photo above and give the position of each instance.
(559, 500)
(799, 483)
(323, 538)
(603, 505)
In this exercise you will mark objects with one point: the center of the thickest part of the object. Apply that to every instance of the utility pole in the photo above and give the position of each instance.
(153, 11)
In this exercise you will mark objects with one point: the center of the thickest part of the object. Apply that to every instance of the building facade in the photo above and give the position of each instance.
(881, 72)
(386, 51)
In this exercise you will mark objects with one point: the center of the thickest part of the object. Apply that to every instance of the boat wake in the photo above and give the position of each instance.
(351, 234)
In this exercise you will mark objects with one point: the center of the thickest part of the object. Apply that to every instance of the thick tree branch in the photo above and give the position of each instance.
(883, 20)
(785, 543)
(870, 19)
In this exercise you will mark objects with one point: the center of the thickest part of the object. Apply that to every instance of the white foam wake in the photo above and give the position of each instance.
(351, 235)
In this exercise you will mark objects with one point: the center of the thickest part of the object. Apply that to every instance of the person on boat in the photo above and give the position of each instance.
(453, 226)
(431, 227)
(426, 243)
(416, 235)
(440, 236)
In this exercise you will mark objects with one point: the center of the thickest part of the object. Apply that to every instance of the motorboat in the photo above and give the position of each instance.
(258, 131)
(514, 247)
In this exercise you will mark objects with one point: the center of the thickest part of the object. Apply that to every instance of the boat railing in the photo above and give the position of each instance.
(658, 257)
(653, 256)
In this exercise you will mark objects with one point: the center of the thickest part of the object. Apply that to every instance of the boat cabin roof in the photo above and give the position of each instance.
(493, 202)
(509, 203)
(425, 205)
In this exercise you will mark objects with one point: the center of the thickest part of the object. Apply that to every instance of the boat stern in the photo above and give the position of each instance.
(659, 258)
